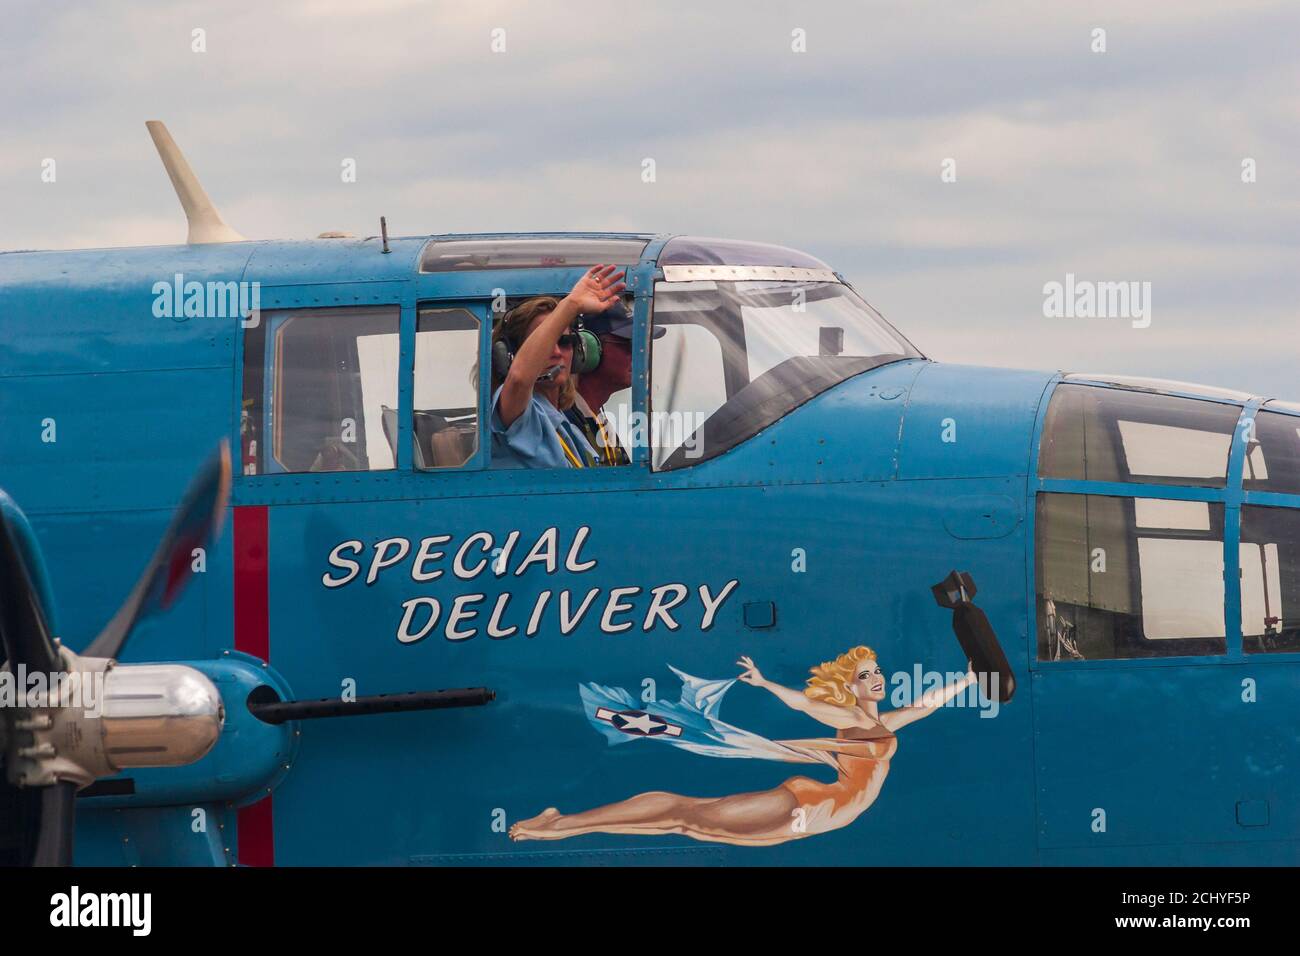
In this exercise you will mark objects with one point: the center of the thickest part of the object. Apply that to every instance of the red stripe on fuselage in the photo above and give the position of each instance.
(253, 636)
(252, 631)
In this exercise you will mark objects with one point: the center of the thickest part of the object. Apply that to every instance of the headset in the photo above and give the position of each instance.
(586, 352)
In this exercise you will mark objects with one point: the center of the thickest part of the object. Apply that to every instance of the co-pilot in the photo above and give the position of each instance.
(532, 352)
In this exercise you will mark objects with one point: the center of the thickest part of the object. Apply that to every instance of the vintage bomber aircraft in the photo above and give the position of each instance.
(800, 477)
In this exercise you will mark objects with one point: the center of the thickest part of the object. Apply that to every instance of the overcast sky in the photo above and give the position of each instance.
(1117, 166)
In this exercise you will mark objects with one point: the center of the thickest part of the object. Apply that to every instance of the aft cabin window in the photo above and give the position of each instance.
(445, 419)
(320, 391)
(1270, 579)
(1108, 434)
(1128, 577)
(1273, 462)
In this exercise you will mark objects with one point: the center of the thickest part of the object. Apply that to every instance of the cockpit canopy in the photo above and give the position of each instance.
(738, 354)
(745, 333)
(695, 251)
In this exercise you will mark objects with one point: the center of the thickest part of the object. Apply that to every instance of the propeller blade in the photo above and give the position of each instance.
(195, 524)
(54, 842)
(24, 624)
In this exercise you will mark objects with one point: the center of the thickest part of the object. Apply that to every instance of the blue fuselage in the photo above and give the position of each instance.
(823, 531)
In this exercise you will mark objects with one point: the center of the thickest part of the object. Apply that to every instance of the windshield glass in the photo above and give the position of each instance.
(733, 357)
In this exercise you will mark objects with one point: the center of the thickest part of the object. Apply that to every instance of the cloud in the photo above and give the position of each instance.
(1115, 166)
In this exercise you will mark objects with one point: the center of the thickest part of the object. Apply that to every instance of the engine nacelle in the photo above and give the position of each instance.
(98, 717)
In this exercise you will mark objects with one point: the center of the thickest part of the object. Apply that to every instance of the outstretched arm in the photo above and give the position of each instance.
(596, 291)
(927, 705)
(829, 714)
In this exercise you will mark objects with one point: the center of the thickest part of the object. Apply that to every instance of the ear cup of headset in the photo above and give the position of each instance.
(586, 352)
(586, 355)
(501, 358)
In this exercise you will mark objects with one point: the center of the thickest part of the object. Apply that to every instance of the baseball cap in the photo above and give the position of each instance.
(616, 320)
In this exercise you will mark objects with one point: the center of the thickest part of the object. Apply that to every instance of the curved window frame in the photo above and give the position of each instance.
(772, 407)
(1232, 496)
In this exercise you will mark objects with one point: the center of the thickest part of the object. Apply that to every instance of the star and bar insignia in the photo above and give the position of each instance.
(638, 723)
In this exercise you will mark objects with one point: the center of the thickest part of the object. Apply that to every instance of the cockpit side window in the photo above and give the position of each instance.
(445, 422)
(1107, 434)
(738, 355)
(316, 396)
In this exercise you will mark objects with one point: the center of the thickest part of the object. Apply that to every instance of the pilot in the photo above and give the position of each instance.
(532, 358)
(613, 328)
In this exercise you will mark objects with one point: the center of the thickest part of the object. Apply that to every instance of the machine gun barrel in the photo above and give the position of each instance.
(279, 711)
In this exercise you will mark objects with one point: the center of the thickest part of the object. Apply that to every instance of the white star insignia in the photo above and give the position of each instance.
(644, 723)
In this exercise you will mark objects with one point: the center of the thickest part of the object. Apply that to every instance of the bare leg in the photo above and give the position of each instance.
(743, 818)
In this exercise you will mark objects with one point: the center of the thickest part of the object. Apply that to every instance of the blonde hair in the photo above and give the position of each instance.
(513, 329)
(830, 679)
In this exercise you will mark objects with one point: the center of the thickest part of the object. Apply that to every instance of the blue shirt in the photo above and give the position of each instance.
(533, 439)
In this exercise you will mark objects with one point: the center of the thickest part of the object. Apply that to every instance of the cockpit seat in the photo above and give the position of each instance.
(449, 445)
